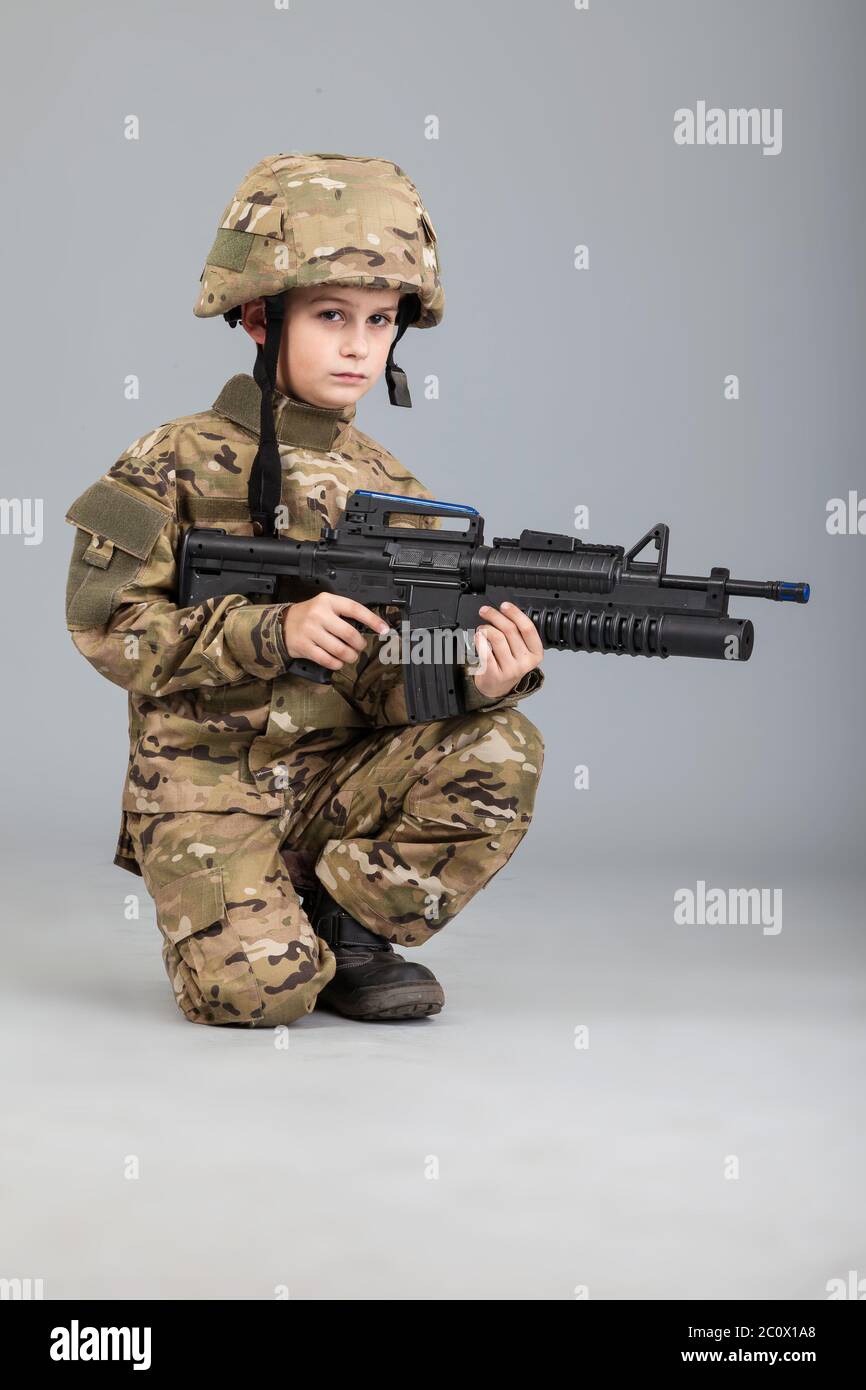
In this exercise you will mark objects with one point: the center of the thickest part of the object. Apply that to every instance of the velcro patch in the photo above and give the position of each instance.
(230, 250)
(112, 512)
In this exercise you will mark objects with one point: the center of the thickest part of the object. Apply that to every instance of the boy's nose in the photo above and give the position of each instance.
(355, 350)
(356, 343)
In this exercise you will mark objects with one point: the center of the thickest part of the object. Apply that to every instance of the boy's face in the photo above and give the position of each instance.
(335, 341)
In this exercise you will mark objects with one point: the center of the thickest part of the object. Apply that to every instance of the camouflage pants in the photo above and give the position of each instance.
(409, 824)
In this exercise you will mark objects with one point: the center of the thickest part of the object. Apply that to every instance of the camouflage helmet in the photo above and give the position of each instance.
(318, 219)
(323, 219)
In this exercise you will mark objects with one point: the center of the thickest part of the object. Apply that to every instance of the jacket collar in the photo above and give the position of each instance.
(297, 422)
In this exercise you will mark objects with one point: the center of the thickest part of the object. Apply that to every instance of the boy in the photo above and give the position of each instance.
(245, 782)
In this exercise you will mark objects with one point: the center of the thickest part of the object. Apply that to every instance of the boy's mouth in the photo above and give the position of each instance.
(349, 376)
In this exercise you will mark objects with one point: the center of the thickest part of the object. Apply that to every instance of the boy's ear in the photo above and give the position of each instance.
(253, 319)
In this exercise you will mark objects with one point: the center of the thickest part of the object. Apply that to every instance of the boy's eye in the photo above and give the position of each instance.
(324, 312)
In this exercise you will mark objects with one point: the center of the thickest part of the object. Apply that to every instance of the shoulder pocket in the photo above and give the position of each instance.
(115, 534)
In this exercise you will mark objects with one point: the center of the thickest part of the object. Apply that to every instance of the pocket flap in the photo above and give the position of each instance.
(190, 904)
(109, 511)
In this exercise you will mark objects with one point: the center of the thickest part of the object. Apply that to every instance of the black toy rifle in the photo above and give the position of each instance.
(580, 597)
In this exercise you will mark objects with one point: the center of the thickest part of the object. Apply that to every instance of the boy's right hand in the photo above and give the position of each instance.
(318, 631)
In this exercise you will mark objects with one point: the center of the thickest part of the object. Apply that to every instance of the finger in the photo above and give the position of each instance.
(338, 627)
(500, 650)
(323, 639)
(351, 608)
(324, 658)
(486, 654)
(526, 626)
(505, 627)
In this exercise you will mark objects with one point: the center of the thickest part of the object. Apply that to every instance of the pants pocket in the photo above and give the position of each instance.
(209, 969)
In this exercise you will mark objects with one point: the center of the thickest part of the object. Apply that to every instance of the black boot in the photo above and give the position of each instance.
(372, 981)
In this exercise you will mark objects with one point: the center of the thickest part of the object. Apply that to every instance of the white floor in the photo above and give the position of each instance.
(479, 1154)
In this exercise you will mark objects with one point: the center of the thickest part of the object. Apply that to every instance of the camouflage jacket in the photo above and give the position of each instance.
(215, 723)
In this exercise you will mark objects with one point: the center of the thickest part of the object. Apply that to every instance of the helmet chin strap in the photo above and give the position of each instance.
(398, 387)
(265, 483)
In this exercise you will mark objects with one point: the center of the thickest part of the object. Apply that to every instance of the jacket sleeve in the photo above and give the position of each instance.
(122, 577)
(377, 688)
(527, 685)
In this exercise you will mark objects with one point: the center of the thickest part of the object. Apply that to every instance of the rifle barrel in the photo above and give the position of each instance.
(780, 590)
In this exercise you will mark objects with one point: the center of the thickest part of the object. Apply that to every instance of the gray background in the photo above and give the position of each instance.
(559, 1167)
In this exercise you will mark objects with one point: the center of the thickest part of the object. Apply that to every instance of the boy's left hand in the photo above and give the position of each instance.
(508, 647)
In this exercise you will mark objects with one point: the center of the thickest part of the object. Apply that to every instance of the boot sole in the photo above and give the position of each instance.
(399, 1001)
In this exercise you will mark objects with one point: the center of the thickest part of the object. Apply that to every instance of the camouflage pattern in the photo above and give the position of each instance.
(215, 722)
(217, 726)
(409, 824)
(317, 219)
